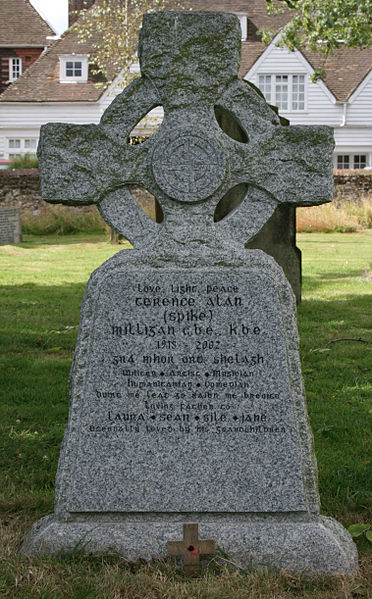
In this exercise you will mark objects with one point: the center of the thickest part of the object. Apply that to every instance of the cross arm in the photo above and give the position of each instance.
(176, 547)
(80, 163)
(292, 164)
(206, 547)
(281, 165)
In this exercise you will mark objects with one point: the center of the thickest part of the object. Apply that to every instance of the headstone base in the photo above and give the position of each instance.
(321, 546)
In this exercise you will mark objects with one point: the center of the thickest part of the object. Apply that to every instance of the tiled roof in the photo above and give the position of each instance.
(21, 26)
(40, 83)
(250, 52)
(345, 69)
(255, 9)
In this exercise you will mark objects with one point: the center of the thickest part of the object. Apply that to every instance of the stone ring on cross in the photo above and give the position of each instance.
(233, 185)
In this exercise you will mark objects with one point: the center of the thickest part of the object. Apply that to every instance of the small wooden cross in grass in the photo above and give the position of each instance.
(191, 548)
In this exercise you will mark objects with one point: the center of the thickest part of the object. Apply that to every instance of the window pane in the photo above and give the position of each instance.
(243, 26)
(74, 68)
(264, 85)
(343, 161)
(298, 92)
(30, 143)
(360, 161)
(14, 143)
(281, 92)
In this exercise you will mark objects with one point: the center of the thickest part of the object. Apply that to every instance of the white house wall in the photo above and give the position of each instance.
(352, 139)
(23, 120)
(3, 151)
(29, 114)
(359, 111)
(352, 127)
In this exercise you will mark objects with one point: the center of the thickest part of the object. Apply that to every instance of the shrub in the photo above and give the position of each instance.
(345, 216)
(62, 220)
(24, 161)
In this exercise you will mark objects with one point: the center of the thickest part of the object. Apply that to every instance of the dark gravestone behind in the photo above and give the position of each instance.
(278, 235)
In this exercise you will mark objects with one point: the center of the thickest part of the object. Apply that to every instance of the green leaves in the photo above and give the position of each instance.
(325, 25)
(111, 27)
(357, 530)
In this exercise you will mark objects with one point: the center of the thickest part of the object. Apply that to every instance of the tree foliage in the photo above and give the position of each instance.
(324, 25)
(111, 27)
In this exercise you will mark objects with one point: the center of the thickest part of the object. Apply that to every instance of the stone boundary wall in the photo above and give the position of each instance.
(353, 184)
(21, 187)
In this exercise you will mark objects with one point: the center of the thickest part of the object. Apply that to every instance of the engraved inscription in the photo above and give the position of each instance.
(191, 369)
(188, 167)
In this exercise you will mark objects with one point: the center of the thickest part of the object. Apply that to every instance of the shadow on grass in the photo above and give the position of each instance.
(314, 283)
(32, 245)
(352, 309)
(338, 386)
(36, 241)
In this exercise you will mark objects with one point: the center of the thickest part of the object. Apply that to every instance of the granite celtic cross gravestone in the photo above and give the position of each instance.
(187, 401)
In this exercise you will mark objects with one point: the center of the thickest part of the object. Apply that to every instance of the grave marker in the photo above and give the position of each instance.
(191, 548)
(187, 401)
(10, 225)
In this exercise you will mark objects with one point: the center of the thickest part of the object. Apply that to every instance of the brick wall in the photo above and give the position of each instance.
(28, 55)
(21, 188)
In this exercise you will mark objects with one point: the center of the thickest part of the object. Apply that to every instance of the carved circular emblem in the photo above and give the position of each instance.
(188, 167)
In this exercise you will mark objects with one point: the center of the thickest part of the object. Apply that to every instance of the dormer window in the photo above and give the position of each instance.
(73, 68)
(243, 19)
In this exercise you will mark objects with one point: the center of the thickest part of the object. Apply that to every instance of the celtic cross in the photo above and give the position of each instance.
(189, 63)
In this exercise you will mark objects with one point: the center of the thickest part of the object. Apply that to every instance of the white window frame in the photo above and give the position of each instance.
(351, 156)
(273, 90)
(12, 62)
(243, 19)
(64, 59)
(281, 88)
(21, 148)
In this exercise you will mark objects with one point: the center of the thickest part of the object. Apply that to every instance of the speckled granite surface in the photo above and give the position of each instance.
(187, 401)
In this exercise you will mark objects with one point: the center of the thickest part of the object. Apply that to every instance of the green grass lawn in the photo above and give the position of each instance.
(43, 281)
